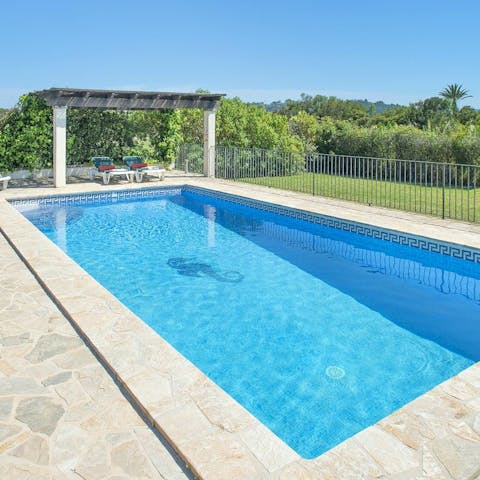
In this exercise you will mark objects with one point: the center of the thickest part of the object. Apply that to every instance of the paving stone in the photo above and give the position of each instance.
(268, 448)
(151, 387)
(50, 345)
(95, 382)
(7, 430)
(11, 471)
(472, 375)
(432, 469)
(295, 471)
(75, 359)
(476, 423)
(68, 444)
(20, 386)
(459, 456)
(347, 461)
(6, 405)
(40, 414)
(35, 450)
(387, 451)
(117, 438)
(410, 429)
(41, 370)
(437, 409)
(6, 369)
(459, 389)
(81, 411)
(131, 459)
(56, 379)
(15, 340)
(184, 423)
(219, 456)
(461, 429)
(120, 412)
(13, 441)
(71, 392)
(162, 460)
(221, 409)
(95, 463)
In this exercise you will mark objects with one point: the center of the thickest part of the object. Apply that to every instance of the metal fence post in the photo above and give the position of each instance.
(443, 190)
(234, 164)
(313, 174)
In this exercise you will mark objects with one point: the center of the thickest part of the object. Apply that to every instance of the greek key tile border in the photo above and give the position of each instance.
(94, 197)
(422, 243)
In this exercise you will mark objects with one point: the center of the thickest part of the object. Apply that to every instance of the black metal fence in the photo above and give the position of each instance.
(445, 190)
(190, 158)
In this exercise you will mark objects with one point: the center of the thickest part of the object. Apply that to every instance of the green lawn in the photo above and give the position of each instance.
(459, 204)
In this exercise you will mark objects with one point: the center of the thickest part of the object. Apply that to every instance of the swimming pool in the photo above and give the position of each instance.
(318, 331)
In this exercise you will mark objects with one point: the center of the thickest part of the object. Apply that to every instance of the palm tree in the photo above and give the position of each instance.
(453, 93)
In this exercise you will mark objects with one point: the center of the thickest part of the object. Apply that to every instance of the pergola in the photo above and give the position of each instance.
(63, 98)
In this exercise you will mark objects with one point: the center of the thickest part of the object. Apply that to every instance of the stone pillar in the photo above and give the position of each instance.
(60, 146)
(209, 143)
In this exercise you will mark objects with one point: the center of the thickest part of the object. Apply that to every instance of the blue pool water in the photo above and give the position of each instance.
(318, 332)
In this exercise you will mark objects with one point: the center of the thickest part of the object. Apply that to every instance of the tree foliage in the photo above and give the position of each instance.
(241, 124)
(305, 127)
(399, 141)
(26, 135)
(431, 129)
(97, 133)
(320, 106)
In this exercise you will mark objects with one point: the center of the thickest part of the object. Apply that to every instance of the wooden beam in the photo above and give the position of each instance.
(126, 100)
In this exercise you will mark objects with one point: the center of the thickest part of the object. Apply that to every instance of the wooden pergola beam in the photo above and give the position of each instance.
(128, 100)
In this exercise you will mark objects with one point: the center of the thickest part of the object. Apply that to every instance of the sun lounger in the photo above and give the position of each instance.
(4, 182)
(137, 165)
(105, 168)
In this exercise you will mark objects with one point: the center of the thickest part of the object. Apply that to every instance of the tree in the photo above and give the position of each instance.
(453, 93)
(157, 135)
(93, 133)
(305, 127)
(26, 135)
(320, 106)
(468, 116)
(247, 125)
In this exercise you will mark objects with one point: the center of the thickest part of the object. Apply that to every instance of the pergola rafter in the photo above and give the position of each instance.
(62, 98)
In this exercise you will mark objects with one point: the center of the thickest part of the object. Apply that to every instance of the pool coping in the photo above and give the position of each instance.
(215, 435)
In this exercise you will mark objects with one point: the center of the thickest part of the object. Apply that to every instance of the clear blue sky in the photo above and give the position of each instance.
(263, 50)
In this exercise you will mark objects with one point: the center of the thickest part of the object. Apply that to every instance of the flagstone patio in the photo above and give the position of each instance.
(61, 415)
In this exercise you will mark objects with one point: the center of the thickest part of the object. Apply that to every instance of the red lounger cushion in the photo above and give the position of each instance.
(103, 168)
(139, 165)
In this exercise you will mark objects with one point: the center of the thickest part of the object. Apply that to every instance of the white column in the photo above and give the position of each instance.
(209, 143)
(60, 146)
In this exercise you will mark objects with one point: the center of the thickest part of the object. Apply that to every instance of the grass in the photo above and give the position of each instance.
(454, 203)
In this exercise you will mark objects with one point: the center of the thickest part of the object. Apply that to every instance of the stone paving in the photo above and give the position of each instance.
(61, 415)
(437, 436)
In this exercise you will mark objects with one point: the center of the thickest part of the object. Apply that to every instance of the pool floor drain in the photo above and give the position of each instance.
(335, 372)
